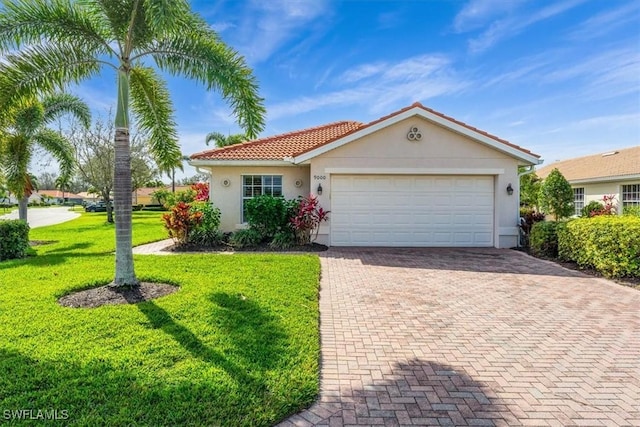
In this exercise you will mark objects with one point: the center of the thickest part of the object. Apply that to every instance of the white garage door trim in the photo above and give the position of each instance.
(412, 210)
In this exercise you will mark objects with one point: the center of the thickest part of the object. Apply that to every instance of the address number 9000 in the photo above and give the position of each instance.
(319, 177)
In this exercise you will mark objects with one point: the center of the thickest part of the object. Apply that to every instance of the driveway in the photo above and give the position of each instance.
(472, 337)
(41, 217)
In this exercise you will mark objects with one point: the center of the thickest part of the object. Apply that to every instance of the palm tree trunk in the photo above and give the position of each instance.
(22, 208)
(125, 273)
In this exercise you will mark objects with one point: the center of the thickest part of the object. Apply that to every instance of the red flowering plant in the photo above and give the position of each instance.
(181, 221)
(307, 219)
(202, 191)
(609, 207)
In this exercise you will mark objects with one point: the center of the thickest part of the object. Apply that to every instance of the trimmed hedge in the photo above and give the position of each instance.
(609, 244)
(543, 240)
(14, 239)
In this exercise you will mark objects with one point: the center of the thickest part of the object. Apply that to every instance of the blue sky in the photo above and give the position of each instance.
(561, 78)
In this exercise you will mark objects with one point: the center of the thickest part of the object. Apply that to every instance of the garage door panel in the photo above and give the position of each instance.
(403, 210)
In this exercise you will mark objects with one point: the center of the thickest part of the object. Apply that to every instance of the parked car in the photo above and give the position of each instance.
(96, 207)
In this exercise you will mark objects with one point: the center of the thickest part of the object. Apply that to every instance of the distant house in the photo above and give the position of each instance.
(143, 196)
(616, 173)
(59, 197)
(88, 197)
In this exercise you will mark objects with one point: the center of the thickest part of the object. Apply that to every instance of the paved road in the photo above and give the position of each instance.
(472, 337)
(41, 217)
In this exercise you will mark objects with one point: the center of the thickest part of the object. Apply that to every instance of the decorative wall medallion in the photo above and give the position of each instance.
(226, 182)
(414, 134)
(298, 183)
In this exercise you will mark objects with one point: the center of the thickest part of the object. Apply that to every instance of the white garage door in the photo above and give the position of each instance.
(421, 210)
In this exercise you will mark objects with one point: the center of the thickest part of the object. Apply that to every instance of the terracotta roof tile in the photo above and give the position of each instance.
(615, 163)
(280, 146)
(299, 142)
(58, 194)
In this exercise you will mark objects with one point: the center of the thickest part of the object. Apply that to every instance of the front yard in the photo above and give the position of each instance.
(236, 345)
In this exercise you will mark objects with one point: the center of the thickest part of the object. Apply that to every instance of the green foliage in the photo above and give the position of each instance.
(283, 239)
(590, 208)
(609, 244)
(556, 195)
(222, 140)
(529, 189)
(206, 233)
(246, 238)
(631, 211)
(14, 239)
(307, 218)
(543, 240)
(241, 334)
(181, 221)
(268, 214)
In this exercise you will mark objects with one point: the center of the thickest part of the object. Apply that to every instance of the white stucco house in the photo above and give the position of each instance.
(614, 173)
(414, 178)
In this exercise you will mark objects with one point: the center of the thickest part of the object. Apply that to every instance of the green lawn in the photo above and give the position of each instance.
(236, 345)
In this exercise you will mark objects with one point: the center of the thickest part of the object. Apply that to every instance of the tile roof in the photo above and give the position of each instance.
(625, 161)
(303, 141)
(280, 146)
(58, 194)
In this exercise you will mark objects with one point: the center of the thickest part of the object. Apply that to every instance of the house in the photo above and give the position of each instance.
(413, 178)
(592, 177)
(58, 197)
(144, 195)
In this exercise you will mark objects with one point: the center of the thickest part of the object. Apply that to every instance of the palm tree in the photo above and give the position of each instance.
(24, 125)
(47, 44)
(223, 141)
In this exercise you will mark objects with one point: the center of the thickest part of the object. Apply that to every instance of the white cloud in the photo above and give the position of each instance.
(476, 13)
(221, 27)
(605, 22)
(362, 72)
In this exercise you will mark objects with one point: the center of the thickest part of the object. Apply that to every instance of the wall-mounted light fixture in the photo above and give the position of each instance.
(509, 189)
(319, 191)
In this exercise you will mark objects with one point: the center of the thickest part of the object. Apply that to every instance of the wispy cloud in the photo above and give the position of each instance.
(221, 27)
(476, 13)
(514, 24)
(605, 22)
(381, 86)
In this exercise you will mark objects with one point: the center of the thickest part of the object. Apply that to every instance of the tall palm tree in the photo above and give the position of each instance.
(222, 140)
(51, 43)
(24, 125)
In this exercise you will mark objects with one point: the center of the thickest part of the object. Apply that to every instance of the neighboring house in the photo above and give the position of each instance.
(592, 177)
(58, 197)
(143, 196)
(413, 178)
(88, 197)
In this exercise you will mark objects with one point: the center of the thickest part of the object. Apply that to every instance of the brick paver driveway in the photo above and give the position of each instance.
(472, 337)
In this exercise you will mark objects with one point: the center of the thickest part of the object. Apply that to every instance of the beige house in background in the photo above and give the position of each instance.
(592, 177)
(413, 178)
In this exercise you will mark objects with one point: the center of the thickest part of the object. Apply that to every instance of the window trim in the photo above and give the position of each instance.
(578, 202)
(262, 187)
(633, 192)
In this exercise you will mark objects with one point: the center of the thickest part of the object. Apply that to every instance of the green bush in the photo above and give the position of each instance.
(609, 244)
(244, 238)
(14, 239)
(268, 214)
(592, 206)
(206, 233)
(283, 239)
(631, 211)
(543, 240)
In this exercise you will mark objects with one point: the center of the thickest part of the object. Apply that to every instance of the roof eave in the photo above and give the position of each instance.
(605, 179)
(418, 111)
(211, 162)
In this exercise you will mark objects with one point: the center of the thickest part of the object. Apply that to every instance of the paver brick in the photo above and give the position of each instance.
(472, 337)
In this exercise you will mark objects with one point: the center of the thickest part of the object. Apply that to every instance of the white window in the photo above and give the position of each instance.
(259, 185)
(578, 200)
(631, 195)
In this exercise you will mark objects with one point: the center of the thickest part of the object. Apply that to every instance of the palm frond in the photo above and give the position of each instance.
(59, 148)
(151, 105)
(15, 153)
(25, 22)
(58, 104)
(215, 137)
(199, 55)
(44, 69)
(161, 15)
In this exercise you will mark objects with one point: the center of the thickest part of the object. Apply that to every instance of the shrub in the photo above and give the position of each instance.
(180, 221)
(592, 206)
(244, 238)
(556, 195)
(202, 191)
(210, 238)
(544, 238)
(14, 239)
(283, 239)
(631, 211)
(268, 214)
(206, 233)
(609, 244)
(308, 218)
(609, 207)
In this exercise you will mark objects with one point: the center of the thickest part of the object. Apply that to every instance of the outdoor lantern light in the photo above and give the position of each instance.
(509, 189)
(319, 189)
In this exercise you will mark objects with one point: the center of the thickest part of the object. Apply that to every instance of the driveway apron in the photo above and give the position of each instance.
(472, 337)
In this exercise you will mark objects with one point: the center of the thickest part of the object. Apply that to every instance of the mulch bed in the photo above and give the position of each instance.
(111, 295)
(313, 247)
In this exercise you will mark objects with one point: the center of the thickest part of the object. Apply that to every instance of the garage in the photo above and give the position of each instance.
(412, 210)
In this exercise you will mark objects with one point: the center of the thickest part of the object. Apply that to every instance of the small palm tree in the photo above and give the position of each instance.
(52, 43)
(24, 125)
(223, 141)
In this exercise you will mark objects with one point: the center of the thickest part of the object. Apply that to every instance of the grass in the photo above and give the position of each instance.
(236, 345)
